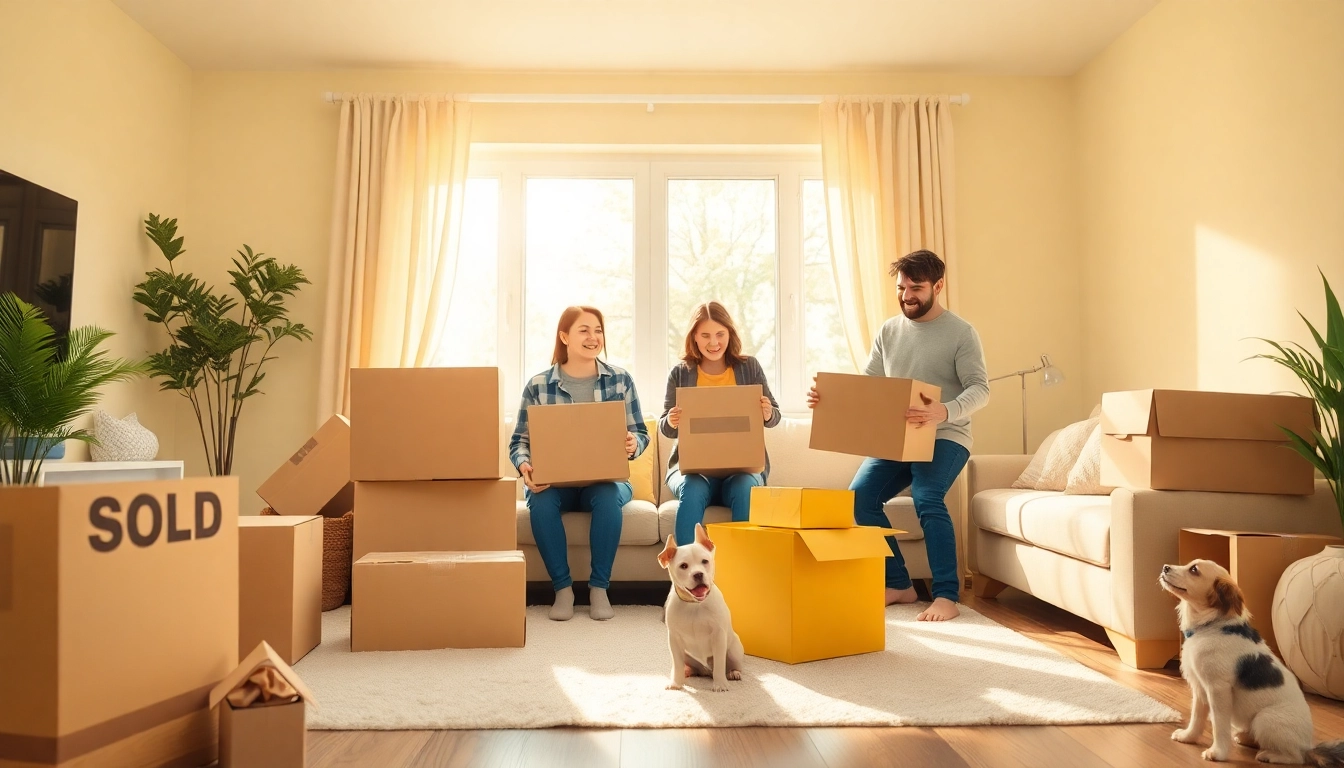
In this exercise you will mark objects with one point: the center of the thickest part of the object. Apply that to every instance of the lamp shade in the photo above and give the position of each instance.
(1051, 374)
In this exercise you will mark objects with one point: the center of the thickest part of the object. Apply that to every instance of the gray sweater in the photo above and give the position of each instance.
(944, 351)
(747, 372)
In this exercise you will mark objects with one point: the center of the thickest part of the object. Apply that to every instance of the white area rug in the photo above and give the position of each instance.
(972, 671)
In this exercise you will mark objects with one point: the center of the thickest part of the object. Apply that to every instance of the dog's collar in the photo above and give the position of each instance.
(687, 597)
(1193, 630)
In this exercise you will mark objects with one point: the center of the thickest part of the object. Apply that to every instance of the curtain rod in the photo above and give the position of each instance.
(634, 98)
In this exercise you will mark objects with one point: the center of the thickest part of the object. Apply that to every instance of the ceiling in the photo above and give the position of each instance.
(1010, 37)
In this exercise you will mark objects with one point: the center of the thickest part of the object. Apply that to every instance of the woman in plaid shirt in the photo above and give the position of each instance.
(577, 375)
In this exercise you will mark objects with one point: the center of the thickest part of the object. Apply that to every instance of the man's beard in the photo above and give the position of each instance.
(916, 312)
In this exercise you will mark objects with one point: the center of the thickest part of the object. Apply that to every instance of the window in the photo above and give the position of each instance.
(823, 333)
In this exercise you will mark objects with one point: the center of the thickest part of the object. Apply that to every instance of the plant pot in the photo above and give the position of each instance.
(30, 451)
(1308, 619)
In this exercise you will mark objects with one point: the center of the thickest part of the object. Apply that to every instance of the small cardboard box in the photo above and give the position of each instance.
(424, 424)
(416, 601)
(722, 430)
(316, 479)
(118, 614)
(436, 516)
(1176, 440)
(800, 595)
(1256, 562)
(270, 734)
(280, 584)
(578, 443)
(865, 416)
(801, 507)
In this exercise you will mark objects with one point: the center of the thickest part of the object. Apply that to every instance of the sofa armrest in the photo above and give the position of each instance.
(1145, 528)
(993, 471)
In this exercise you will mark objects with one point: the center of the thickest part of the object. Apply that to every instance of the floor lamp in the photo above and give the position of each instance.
(1051, 377)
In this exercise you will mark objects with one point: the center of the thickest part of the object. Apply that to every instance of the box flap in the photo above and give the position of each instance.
(1229, 416)
(1260, 534)
(386, 558)
(263, 654)
(274, 521)
(1127, 413)
(828, 544)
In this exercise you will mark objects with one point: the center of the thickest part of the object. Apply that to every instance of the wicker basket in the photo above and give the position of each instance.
(338, 540)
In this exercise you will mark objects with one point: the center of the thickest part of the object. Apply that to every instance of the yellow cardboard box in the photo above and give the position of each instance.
(801, 507)
(803, 595)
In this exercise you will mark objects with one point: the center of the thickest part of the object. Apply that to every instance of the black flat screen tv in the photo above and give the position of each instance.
(37, 248)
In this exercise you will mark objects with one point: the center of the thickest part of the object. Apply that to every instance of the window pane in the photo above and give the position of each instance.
(580, 250)
(470, 337)
(722, 245)
(823, 334)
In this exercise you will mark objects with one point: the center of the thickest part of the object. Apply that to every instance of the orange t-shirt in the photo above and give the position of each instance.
(725, 379)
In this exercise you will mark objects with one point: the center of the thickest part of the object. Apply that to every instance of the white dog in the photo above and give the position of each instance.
(699, 627)
(1234, 676)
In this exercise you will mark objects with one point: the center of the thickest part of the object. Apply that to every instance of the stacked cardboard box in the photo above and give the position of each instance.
(436, 560)
(802, 581)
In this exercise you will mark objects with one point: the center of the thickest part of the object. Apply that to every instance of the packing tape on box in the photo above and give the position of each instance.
(307, 448)
(6, 567)
(711, 425)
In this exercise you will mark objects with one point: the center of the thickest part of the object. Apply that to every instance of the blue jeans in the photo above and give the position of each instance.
(698, 492)
(879, 480)
(604, 501)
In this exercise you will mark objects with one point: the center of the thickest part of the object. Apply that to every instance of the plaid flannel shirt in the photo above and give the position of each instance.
(544, 389)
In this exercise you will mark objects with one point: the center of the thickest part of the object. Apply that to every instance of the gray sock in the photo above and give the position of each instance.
(598, 605)
(563, 608)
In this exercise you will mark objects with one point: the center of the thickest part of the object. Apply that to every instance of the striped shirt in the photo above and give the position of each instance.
(545, 388)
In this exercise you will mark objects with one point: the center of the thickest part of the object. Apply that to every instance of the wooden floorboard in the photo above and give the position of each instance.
(1103, 746)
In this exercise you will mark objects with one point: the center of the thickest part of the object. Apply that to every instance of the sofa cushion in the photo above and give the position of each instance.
(900, 511)
(1076, 526)
(639, 525)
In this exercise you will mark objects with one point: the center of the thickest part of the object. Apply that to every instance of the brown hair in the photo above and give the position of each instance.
(712, 310)
(921, 266)
(567, 320)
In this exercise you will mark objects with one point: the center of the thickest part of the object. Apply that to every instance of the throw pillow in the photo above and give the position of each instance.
(122, 440)
(1064, 453)
(642, 482)
(1085, 477)
(1032, 474)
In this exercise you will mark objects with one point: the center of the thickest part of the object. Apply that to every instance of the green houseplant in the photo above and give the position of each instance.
(46, 384)
(217, 344)
(1323, 377)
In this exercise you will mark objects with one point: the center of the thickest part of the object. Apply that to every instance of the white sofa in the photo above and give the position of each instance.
(1099, 556)
(647, 524)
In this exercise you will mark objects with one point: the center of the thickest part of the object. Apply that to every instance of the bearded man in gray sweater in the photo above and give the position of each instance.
(929, 343)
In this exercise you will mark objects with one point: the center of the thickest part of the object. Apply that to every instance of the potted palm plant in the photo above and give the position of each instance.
(46, 384)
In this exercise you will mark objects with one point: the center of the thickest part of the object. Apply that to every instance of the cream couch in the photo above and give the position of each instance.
(1099, 556)
(648, 522)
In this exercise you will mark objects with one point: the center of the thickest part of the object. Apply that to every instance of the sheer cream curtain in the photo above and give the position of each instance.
(401, 175)
(887, 167)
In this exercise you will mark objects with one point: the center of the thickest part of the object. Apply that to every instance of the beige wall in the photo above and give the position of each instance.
(262, 147)
(97, 110)
(1211, 162)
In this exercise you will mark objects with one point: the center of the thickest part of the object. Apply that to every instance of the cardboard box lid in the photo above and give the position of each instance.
(394, 558)
(1210, 415)
(262, 655)
(1265, 534)
(829, 544)
(275, 521)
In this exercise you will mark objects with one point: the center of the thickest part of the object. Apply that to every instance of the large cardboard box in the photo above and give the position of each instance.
(316, 479)
(416, 601)
(436, 516)
(1176, 440)
(865, 416)
(800, 595)
(775, 507)
(424, 424)
(118, 614)
(722, 430)
(280, 584)
(578, 443)
(1255, 560)
(264, 734)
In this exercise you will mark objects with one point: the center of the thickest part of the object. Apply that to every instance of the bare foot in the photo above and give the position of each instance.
(906, 595)
(941, 610)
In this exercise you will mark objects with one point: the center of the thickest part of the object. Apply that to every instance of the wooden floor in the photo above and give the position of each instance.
(1121, 746)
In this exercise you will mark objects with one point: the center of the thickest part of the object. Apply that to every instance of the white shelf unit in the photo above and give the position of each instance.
(72, 472)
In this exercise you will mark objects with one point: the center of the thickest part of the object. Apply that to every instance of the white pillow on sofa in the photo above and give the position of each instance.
(1064, 453)
(1085, 477)
(1032, 474)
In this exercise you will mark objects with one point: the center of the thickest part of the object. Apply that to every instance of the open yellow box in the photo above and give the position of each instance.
(778, 507)
(803, 595)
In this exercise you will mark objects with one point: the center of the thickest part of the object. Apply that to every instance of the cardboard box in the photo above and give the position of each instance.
(801, 507)
(424, 424)
(263, 735)
(800, 595)
(316, 479)
(1177, 440)
(578, 443)
(865, 416)
(436, 516)
(722, 430)
(118, 614)
(280, 584)
(416, 601)
(1256, 562)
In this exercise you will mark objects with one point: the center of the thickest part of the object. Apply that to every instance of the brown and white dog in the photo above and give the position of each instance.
(699, 627)
(1253, 698)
